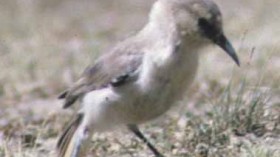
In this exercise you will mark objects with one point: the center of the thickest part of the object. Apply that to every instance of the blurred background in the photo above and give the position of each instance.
(46, 44)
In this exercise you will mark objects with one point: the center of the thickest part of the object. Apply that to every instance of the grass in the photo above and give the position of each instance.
(229, 111)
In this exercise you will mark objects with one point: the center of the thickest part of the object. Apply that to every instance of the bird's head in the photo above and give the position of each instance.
(200, 20)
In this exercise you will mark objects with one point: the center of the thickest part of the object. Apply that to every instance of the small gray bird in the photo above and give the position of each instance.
(142, 77)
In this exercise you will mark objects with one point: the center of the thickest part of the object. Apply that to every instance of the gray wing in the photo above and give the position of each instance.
(114, 68)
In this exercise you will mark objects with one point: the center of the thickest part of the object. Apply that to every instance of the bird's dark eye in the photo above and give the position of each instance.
(208, 29)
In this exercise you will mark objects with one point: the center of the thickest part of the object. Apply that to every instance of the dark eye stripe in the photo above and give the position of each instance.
(208, 29)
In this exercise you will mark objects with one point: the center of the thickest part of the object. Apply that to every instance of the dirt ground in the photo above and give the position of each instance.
(229, 111)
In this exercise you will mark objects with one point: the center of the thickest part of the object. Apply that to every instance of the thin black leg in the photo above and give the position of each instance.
(138, 133)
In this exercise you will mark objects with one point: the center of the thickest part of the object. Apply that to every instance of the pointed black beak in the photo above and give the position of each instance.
(213, 32)
(223, 42)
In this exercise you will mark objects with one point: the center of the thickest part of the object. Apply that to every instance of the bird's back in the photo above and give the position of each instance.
(124, 58)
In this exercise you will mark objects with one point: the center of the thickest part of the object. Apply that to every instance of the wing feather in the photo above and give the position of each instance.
(123, 60)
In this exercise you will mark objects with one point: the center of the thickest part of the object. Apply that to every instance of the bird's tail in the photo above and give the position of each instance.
(72, 138)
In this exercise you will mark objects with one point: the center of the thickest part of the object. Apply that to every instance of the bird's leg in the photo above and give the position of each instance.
(138, 133)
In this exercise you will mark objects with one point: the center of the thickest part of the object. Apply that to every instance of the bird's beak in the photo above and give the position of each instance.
(224, 43)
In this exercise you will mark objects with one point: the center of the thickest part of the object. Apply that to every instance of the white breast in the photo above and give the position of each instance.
(164, 80)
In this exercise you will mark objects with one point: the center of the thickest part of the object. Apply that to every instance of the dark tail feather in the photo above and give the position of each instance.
(62, 95)
(69, 142)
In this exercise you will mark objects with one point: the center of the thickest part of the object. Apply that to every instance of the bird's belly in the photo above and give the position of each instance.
(162, 93)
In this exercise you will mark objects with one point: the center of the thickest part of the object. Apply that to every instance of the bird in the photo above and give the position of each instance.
(143, 76)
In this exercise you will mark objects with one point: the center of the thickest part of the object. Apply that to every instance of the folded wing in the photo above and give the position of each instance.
(113, 68)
